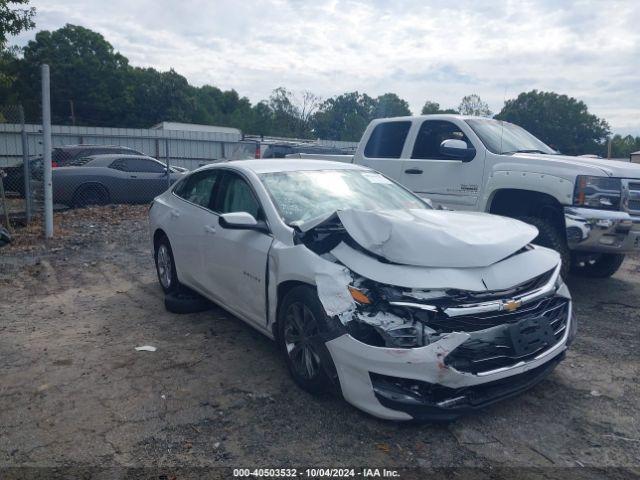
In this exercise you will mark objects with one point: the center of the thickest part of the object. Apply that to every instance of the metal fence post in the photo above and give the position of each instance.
(166, 152)
(46, 143)
(26, 167)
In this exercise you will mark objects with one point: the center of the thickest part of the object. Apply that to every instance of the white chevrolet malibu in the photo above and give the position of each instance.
(410, 312)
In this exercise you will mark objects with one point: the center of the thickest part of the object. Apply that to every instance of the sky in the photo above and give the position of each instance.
(437, 50)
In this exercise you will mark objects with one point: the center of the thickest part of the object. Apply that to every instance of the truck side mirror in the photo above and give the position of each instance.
(457, 149)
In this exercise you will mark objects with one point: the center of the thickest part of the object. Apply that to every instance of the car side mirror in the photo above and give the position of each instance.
(242, 221)
(457, 149)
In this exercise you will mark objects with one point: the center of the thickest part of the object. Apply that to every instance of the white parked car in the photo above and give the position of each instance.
(411, 312)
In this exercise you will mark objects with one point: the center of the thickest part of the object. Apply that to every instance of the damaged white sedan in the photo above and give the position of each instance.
(410, 312)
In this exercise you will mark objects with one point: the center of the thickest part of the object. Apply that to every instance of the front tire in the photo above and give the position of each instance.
(165, 266)
(302, 322)
(549, 236)
(602, 266)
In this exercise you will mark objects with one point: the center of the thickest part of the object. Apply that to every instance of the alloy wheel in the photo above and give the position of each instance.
(164, 266)
(300, 327)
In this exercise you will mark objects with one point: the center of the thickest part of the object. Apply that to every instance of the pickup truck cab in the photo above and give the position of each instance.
(587, 209)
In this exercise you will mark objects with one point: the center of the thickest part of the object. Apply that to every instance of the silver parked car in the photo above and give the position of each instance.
(113, 178)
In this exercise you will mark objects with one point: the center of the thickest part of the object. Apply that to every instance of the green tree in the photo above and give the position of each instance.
(344, 117)
(86, 72)
(558, 120)
(430, 108)
(390, 105)
(14, 20)
(622, 147)
(473, 105)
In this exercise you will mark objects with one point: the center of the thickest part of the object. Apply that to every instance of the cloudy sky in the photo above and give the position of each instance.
(438, 49)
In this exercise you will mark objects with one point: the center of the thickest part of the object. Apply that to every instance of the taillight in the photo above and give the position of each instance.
(54, 164)
(257, 150)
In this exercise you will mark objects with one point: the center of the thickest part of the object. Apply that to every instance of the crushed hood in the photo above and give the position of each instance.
(427, 238)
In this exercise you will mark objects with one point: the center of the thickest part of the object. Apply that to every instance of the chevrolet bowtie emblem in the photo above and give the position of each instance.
(511, 305)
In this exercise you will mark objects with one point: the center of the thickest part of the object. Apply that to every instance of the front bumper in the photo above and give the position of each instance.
(602, 231)
(362, 370)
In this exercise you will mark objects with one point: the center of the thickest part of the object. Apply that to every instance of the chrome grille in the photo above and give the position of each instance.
(633, 196)
(491, 349)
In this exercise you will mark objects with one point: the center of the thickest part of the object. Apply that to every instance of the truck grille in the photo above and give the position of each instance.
(634, 197)
(516, 336)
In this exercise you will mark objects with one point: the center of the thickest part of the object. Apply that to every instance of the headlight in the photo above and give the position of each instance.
(597, 192)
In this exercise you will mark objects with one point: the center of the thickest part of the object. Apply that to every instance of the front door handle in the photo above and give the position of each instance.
(133, 176)
(210, 229)
(413, 171)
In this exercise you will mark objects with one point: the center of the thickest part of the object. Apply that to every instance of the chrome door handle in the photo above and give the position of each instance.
(210, 229)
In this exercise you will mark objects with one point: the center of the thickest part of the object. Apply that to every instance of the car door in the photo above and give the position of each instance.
(236, 260)
(148, 178)
(443, 179)
(383, 150)
(190, 218)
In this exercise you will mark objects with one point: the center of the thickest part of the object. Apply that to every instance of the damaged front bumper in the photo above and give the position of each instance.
(461, 371)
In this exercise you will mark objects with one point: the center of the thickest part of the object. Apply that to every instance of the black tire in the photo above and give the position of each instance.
(185, 300)
(602, 266)
(166, 266)
(302, 317)
(93, 194)
(551, 237)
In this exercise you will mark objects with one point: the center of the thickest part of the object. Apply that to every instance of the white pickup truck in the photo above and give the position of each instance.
(587, 209)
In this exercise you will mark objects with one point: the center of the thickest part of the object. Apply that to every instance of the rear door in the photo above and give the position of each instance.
(383, 151)
(443, 179)
(235, 261)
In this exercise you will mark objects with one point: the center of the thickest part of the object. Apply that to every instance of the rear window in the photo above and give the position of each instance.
(387, 140)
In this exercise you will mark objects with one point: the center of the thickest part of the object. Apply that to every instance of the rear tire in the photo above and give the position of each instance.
(301, 324)
(550, 237)
(165, 266)
(603, 266)
(88, 195)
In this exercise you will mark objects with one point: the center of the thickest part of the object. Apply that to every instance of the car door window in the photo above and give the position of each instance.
(119, 164)
(237, 196)
(144, 165)
(387, 140)
(199, 188)
(431, 134)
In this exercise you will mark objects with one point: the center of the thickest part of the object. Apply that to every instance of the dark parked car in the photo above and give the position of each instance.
(60, 156)
(103, 179)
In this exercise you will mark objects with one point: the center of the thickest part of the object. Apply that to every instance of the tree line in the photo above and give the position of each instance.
(92, 84)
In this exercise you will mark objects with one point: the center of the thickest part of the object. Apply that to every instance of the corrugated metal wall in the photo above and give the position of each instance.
(186, 148)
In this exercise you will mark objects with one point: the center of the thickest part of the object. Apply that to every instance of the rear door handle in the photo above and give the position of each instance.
(133, 176)
(210, 229)
(413, 171)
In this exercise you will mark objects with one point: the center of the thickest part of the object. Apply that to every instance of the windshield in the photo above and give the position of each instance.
(503, 137)
(304, 195)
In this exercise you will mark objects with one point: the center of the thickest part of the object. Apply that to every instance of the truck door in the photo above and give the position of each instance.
(383, 150)
(435, 175)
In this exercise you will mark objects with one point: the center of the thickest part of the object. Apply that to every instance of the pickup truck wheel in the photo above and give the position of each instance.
(602, 266)
(550, 237)
(301, 324)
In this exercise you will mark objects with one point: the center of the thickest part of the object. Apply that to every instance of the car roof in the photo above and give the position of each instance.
(285, 165)
(119, 155)
(89, 145)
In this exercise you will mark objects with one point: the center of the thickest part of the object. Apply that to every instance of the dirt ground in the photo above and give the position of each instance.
(75, 393)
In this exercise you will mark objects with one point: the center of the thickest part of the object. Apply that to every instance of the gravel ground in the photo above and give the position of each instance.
(75, 393)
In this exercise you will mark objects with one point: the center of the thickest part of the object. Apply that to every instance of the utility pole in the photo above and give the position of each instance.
(73, 113)
(46, 143)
